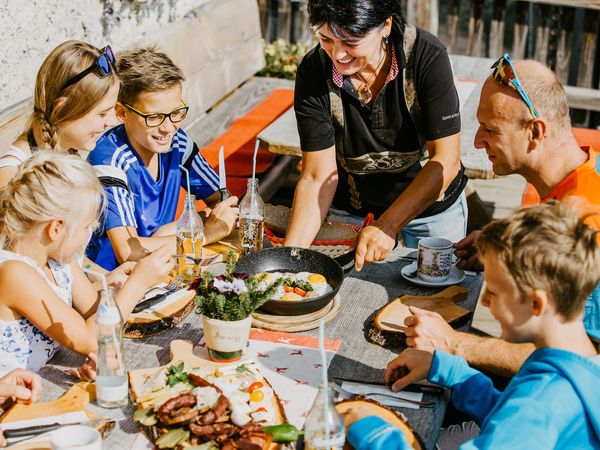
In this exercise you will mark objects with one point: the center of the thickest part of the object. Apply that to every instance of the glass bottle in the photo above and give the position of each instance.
(190, 232)
(252, 216)
(315, 437)
(111, 376)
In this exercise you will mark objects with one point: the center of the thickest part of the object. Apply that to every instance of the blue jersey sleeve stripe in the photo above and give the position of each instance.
(213, 182)
(206, 169)
(115, 196)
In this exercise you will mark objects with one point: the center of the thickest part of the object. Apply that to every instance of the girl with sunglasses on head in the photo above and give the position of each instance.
(73, 104)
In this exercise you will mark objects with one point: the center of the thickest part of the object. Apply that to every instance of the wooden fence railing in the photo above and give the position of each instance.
(564, 34)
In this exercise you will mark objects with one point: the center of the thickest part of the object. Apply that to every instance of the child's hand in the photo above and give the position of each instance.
(154, 267)
(21, 385)
(410, 366)
(356, 413)
(427, 330)
(87, 371)
(119, 276)
(221, 221)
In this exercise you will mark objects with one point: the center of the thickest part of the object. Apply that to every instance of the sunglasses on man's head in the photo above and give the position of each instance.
(506, 74)
(102, 67)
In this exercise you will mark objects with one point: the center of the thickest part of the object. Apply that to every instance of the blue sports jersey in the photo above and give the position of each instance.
(135, 198)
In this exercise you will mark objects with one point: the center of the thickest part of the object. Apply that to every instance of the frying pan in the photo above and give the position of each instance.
(292, 259)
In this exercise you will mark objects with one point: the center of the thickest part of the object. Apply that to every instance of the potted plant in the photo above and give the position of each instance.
(226, 303)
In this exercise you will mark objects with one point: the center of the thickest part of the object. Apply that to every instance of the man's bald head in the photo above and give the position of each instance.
(544, 90)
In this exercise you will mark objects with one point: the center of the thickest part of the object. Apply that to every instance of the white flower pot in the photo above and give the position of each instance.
(226, 340)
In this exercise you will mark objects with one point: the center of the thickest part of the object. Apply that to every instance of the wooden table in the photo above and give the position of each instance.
(361, 293)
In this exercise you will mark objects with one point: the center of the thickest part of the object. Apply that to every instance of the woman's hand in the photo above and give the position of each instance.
(375, 242)
(410, 366)
(221, 221)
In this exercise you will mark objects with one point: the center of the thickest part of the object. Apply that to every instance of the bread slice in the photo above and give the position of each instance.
(277, 218)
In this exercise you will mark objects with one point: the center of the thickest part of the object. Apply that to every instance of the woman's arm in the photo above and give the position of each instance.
(376, 241)
(315, 189)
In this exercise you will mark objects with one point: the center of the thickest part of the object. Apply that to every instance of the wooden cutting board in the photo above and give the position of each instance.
(294, 324)
(147, 323)
(387, 325)
(74, 400)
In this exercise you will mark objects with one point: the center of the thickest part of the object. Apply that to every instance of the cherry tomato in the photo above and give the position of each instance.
(254, 386)
(300, 292)
(257, 396)
(261, 409)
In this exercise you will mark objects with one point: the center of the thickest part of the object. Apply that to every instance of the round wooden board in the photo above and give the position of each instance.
(294, 324)
(147, 323)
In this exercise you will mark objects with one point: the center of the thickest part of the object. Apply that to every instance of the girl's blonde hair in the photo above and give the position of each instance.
(53, 105)
(48, 186)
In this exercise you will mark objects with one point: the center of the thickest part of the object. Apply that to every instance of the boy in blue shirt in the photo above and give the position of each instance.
(541, 264)
(138, 163)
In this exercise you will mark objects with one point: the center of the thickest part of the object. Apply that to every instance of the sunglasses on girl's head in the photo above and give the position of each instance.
(102, 67)
(505, 73)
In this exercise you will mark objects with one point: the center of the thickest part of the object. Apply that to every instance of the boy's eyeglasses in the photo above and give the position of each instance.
(102, 67)
(505, 73)
(157, 119)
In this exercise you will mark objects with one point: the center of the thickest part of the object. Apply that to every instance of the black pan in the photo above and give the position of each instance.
(291, 259)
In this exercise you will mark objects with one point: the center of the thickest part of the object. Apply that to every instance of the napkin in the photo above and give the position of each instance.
(362, 389)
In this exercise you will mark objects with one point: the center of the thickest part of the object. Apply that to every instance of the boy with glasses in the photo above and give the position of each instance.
(139, 165)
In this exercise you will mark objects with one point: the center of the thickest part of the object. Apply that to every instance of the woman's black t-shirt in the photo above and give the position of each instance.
(385, 125)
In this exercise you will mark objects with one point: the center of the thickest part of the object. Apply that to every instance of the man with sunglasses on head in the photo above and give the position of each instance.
(525, 128)
(139, 164)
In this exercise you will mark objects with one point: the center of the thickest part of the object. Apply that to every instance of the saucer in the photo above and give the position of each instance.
(456, 276)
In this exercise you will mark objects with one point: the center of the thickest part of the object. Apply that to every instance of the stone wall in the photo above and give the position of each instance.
(30, 29)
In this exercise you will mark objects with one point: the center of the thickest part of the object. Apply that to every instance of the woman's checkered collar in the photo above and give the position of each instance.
(338, 78)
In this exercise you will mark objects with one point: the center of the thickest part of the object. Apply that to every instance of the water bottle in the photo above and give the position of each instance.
(252, 216)
(111, 375)
(315, 436)
(190, 233)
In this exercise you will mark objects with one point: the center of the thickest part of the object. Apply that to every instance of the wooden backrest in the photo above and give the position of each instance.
(217, 45)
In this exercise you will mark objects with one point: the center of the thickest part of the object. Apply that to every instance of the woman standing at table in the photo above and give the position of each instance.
(372, 100)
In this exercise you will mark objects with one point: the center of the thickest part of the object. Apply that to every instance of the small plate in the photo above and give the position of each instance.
(455, 277)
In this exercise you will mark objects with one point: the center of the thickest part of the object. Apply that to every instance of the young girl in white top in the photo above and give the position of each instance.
(73, 104)
(47, 213)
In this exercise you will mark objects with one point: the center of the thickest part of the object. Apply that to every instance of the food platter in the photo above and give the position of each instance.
(191, 401)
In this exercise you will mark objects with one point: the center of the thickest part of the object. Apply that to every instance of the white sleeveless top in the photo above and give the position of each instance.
(22, 344)
(13, 157)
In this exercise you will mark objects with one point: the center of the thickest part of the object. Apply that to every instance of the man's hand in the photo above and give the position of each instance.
(466, 252)
(427, 330)
(22, 385)
(410, 366)
(375, 242)
(221, 221)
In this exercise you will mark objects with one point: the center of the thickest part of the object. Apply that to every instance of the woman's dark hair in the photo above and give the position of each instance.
(356, 17)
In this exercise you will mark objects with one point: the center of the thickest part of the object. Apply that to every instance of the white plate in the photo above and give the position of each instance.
(456, 276)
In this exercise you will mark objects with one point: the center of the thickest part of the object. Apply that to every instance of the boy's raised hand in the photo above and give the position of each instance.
(410, 366)
(221, 221)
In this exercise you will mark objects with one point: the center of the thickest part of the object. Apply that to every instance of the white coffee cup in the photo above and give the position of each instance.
(434, 259)
(76, 437)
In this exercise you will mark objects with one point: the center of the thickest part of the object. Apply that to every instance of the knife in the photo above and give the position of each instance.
(414, 387)
(103, 425)
(222, 175)
(151, 301)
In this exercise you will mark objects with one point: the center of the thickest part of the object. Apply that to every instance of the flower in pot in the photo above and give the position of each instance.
(226, 303)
